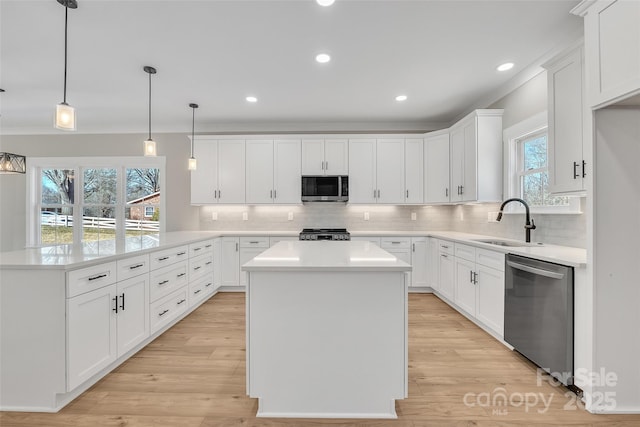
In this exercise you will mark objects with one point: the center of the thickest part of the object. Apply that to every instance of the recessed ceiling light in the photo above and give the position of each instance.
(323, 58)
(325, 2)
(251, 99)
(401, 98)
(506, 66)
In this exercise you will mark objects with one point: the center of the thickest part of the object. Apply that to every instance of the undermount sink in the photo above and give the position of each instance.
(509, 243)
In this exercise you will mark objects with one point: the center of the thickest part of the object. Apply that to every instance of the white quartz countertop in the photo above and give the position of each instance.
(325, 256)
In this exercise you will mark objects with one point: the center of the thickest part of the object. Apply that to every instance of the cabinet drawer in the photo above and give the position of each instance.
(199, 290)
(199, 248)
(165, 310)
(168, 256)
(445, 246)
(132, 267)
(90, 278)
(166, 279)
(490, 259)
(200, 266)
(395, 242)
(465, 252)
(254, 242)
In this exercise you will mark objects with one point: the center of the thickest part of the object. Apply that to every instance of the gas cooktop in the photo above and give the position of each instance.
(325, 234)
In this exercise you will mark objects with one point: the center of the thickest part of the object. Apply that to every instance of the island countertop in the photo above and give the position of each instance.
(325, 256)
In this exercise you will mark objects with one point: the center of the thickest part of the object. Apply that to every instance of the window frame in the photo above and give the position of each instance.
(79, 164)
(512, 185)
(153, 210)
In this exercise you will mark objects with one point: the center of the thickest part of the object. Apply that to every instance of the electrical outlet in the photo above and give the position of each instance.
(245, 216)
(214, 216)
(290, 216)
(366, 216)
(413, 216)
(491, 216)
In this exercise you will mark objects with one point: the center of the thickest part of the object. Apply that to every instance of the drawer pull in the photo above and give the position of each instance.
(196, 249)
(181, 274)
(181, 253)
(100, 276)
(163, 282)
(254, 243)
(395, 243)
(207, 246)
(181, 301)
(196, 268)
(197, 292)
(208, 262)
(133, 267)
(207, 285)
(115, 299)
(163, 313)
(444, 246)
(444, 255)
(164, 258)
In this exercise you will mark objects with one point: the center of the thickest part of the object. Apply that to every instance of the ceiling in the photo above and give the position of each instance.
(441, 54)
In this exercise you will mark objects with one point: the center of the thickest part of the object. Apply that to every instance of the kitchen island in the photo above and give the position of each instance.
(326, 330)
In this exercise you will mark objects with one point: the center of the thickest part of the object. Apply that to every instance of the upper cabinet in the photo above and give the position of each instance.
(220, 176)
(273, 172)
(414, 171)
(436, 167)
(566, 121)
(325, 157)
(612, 43)
(476, 157)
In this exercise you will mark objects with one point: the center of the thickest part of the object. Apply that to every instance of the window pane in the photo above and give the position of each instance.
(136, 222)
(143, 186)
(57, 186)
(100, 186)
(56, 226)
(535, 191)
(535, 152)
(98, 223)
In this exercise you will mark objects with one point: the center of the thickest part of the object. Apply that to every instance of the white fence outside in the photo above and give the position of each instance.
(50, 218)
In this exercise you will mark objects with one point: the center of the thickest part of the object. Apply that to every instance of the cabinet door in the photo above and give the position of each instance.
(91, 334)
(313, 157)
(336, 157)
(469, 175)
(230, 260)
(432, 263)
(457, 164)
(465, 293)
(390, 170)
(414, 172)
(362, 167)
(403, 255)
(204, 180)
(490, 298)
(231, 171)
(565, 124)
(446, 275)
(133, 312)
(436, 169)
(286, 176)
(419, 261)
(259, 171)
(246, 255)
(217, 262)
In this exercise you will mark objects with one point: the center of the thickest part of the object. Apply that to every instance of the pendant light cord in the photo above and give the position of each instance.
(66, 18)
(149, 106)
(193, 129)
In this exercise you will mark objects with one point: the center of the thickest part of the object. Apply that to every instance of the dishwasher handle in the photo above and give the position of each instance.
(534, 270)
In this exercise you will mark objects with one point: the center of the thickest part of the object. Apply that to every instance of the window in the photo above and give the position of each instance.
(82, 200)
(528, 174)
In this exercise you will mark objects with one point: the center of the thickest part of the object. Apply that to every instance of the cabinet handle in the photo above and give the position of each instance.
(215, 194)
(181, 301)
(196, 249)
(374, 194)
(446, 192)
(584, 169)
(207, 285)
(395, 243)
(196, 268)
(135, 266)
(475, 278)
(197, 292)
(254, 242)
(122, 305)
(407, 194)
(163, 313)
(181, 274)
(444, 255)
(378, 194)
(236, 247)
(208, 262)
(575, 170)
(219, 194)
(115, 299)
(413, 247)
(322, 165)
(326, 165)
(444, 246)
(207, 246)
(471, 273)
(461, 189)
(181, 253)
(275, 194)
(164, 258)
(163, 282)
(100, 276)
(271, 194)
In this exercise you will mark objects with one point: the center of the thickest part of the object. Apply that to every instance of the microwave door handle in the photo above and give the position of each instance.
(533, 270)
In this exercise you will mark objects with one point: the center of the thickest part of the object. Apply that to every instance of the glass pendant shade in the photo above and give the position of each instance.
(65, 117)
(150, 148)
(192, 164)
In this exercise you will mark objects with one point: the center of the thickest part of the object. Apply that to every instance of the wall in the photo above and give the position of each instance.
(524, 102)
(175, 147)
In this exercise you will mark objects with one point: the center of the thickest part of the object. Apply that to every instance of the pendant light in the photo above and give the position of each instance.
(149, 144)
(65, 113)
(192, 160)
(12, 163)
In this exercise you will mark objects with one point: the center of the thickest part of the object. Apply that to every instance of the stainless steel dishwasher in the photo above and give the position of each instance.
(538, 313)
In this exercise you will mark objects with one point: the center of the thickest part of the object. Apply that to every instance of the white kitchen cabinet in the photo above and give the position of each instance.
(273, 175)
(133, 312)
(446, 271)
(400, 247)
(433, 256)
(230, 261)
(436, 167)
(220, 176)
(612, 42)
(250, 247)
(414, 171)
(362, 171)
(490, 297)
(325, 157)
(419, 262)
(566, 136)
(465, 290)
(217, 262)
(476, 157)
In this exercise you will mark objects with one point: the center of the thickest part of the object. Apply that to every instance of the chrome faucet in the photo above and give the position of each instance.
(529, 224)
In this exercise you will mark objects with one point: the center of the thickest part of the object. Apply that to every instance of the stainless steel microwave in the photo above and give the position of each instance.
(318, 188)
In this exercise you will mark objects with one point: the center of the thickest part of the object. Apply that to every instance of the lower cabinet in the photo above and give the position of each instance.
(168, 308)
(490, 298)
(465, 291)
(432, 267)
(419, 262)
(249, 248)
(230, 261)
(446, 275)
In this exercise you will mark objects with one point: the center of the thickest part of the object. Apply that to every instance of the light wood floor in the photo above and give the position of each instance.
(194, 375)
